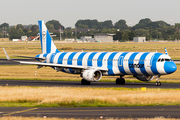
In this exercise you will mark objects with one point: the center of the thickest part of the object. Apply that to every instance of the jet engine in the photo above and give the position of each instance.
(144, 77)
(92, 75)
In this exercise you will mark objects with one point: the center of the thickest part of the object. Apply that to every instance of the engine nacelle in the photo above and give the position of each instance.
(92, 75)
(144, 77)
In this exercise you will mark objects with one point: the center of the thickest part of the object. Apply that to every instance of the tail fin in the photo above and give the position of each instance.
(47, 44)
(166, 51)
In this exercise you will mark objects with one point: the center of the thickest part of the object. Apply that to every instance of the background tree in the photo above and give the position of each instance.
(56, 24)
(125, 36)
(121, 24)
(118, 36)
(13, 33)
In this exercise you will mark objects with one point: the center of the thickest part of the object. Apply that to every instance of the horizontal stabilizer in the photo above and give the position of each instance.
(28, 57)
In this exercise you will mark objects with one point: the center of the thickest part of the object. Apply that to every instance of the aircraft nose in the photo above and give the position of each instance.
(170, 67)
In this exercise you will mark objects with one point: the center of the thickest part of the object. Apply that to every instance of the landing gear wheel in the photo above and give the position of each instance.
(158, 83)
(120, 81)
(123, 81)
(85, 82)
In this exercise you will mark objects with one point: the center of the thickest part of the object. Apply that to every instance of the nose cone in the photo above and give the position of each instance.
(170, 67)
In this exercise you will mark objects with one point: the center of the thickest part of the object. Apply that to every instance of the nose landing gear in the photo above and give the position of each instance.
(158, 83)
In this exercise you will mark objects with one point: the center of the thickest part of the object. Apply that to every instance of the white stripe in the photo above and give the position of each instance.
(56, 57)
(41, 55)
(65, 58)
(104, 62)
(74, 62)
(48, 57)
(125, 63)
(147, 63)
(53, 47)
(136, 61)
(94, 62)
(85, 59)
(115, 63)
(44, 39)
(160, 65)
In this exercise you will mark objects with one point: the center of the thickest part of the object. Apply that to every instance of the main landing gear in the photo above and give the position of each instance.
(120, 81)
(85, 82)
(158, 83)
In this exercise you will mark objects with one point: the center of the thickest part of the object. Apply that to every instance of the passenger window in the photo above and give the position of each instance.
(162, 60)
(159, 60)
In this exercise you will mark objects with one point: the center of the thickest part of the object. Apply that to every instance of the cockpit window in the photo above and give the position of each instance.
(167, 59)
(164, 59)
(159, 60)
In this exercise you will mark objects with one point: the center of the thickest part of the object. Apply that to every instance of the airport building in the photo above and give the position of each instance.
(103, 37)
(139, 39)
(98, 38)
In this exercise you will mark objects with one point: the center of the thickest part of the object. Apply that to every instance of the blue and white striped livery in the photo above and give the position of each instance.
(93, 65)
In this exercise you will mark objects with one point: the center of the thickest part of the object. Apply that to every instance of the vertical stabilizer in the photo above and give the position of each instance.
(47, 44)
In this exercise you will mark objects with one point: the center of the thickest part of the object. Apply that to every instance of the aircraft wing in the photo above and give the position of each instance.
(40, 64)
(63, 66)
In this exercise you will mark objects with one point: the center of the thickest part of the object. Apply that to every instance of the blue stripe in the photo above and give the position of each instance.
(70, 58)
(37, 55)
(89, 62)
(79, 60)
(121, 68)
(60, 59)
(48, 42)
(52, 57)
(100, 59)
(142, 62)
(40, 31)
(45, 55)
(131, 63)
(154, 61)
(57, 51)
(110, 63)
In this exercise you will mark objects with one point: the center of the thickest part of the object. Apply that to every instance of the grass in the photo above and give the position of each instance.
(27, 72)
(86, 97)
(38, 118)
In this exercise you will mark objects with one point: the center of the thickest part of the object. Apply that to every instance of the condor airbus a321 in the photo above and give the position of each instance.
(93, 65)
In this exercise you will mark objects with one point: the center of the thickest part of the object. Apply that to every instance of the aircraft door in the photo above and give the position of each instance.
(120, 61)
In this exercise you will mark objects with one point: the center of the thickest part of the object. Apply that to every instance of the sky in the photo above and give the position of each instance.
(67, 12)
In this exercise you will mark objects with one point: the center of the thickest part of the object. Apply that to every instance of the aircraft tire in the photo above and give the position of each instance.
(158, 83)
(85, 82)
(120, 81)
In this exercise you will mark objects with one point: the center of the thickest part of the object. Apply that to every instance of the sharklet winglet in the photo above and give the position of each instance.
(7, 56)
(166, 51)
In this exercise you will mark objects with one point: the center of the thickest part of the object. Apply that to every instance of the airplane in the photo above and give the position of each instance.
(93, 65)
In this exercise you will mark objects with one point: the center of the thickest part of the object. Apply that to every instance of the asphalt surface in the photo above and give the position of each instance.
(115, 112)
(78, 84)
